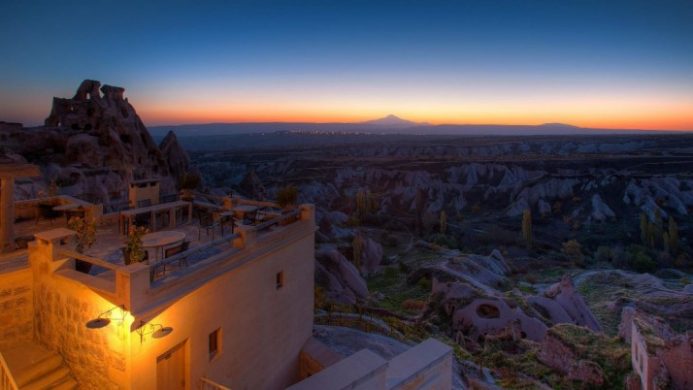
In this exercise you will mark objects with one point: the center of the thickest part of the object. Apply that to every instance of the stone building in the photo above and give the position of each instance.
(661, 358)
(228, 311)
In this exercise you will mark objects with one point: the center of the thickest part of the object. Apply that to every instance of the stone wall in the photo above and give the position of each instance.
(63, 306)
(16, 308)
(263, 327)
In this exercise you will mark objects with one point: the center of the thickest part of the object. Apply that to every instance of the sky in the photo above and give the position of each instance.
(606, 64)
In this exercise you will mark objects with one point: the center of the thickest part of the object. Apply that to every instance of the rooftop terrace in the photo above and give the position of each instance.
(192, 242)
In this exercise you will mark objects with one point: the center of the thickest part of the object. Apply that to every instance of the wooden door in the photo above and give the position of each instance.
(170, 369)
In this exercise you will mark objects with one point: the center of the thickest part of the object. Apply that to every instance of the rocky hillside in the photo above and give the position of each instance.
(522, 253)
(91, 145)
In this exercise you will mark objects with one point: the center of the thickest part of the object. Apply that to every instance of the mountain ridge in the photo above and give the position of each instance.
(390, 124)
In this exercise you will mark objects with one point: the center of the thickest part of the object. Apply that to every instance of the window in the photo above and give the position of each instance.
(280, 280)
(214, 343)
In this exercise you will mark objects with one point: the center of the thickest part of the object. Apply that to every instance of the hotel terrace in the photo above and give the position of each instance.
(223, 299)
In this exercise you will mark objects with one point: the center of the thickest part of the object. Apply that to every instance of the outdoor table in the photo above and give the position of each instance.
(159, 240)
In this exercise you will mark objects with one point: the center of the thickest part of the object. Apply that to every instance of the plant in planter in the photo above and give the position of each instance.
(188, 182)
(86, 236)
(134, 251)
(287, 197)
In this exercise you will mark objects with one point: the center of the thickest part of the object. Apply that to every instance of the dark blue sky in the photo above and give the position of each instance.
(614, 64)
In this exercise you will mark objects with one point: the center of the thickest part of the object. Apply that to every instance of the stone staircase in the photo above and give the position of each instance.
(33, 367)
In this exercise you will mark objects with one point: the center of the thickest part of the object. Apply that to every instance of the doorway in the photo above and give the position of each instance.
(170, 369)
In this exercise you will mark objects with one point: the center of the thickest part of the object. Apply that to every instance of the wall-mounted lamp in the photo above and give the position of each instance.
(156, 330)
(105, 318)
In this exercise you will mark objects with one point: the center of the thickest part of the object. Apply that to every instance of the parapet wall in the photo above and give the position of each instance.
(426, 366)
(16, 308)
(96, 357)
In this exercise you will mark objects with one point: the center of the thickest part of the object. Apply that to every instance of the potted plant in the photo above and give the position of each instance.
(189, 182)
(134, 251)
(86, 236)
(287, 196)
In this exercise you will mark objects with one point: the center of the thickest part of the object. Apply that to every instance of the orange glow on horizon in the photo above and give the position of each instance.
(676, 118)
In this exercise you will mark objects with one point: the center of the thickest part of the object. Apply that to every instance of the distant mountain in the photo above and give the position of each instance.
(392, 122)
(558, 125)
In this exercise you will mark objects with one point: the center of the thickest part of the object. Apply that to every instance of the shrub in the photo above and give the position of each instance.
(287, 196)
(573, 251)
(603, 254)
(86, 232)
(415, 305)
(134, 251)
(642, 262)
(190, 181)
(425, 284)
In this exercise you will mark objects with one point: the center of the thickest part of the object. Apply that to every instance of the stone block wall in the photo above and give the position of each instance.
(16, 308)
(96, 357)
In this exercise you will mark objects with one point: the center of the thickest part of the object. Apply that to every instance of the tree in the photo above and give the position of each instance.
(527, 227)
(190, 180)
(657, 228)
(644, 228)
(643, 262)
(52, 188)
(573, 251)
(443, 222)
(420, 201)
(287, 196)
(365, 204)
(673, 235)
(357, 250)
(86, 232)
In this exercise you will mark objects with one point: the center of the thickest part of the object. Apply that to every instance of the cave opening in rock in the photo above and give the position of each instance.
(487, 311)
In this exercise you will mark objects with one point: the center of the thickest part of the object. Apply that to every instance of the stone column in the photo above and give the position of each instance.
(6, 214)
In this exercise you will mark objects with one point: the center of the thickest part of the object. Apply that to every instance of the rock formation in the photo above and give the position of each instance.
(559, 352)
(565, 305)
(371, 256)
(94, 143)
(174, 155)
(251, 186)
(339, 277)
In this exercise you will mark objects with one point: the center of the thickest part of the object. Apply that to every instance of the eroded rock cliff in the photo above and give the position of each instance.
(93, 144)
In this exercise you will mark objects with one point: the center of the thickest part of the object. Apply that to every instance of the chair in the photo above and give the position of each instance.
(22, 242)
(46, 212)
(207, 223)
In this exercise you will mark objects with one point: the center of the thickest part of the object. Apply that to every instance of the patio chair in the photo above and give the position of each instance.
(207, 224)
(46, 212)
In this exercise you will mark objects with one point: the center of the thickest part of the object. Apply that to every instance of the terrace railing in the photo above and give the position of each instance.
(161, 268)
(208, 384)
(138, 286)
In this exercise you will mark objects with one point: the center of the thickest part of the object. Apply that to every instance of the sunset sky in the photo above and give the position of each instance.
(589, 63)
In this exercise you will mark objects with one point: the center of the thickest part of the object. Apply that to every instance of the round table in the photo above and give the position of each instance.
(162, 239)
